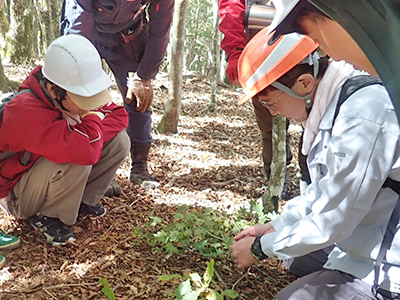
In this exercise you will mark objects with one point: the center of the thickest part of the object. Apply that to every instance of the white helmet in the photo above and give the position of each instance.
(73, 63)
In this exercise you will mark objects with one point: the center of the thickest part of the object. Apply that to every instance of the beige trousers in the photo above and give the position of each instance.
(57, 190)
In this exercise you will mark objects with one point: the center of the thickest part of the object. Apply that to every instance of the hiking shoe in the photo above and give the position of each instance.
(7, 241)
(55, 231)
(113, 189)
(2, 261)
(138, 176)
(96, 210)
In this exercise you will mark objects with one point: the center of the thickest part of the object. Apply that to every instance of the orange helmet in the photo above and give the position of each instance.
(260, 65)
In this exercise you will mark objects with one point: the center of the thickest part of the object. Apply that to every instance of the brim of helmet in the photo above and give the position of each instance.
(283, 21)
(92, 102)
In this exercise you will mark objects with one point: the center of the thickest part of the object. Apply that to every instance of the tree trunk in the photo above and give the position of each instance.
(169, 121)
(274, 190)
(215, 58)
(191, 42)
(4, 84)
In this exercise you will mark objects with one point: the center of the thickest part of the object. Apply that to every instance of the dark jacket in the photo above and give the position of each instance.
(102, 22)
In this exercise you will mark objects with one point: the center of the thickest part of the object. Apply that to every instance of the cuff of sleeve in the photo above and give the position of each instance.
(267, 245)
(278, 223)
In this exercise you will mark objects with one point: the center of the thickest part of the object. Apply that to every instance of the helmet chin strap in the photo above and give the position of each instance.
(312, 60)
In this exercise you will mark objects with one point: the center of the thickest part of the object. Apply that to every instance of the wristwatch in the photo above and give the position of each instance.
(256, 250)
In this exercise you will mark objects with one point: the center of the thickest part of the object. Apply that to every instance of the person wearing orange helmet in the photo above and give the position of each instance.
(351, 153)
(236, 35)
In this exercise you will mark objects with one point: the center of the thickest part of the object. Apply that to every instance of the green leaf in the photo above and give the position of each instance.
(106, 289)
(209, 274)
(171, 249)
(183, 289)
(214, 295)
(193, 295)
(196, 279)
(162, 236)
(174, 235)
(230, 293)
(167, 277)
(179, 216)
(155, 221)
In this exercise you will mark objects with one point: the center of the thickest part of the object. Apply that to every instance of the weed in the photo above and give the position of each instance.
(197, 288)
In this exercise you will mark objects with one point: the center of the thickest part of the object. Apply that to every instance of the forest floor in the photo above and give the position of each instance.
(214, 161)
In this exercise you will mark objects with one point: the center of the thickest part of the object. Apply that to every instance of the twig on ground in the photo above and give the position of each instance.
(223, 182)
(50, 294)
(172, 181)
(114, 209)
(70, 284)
(228, 182)
(217, 237)
(240, 279)
(220, 278)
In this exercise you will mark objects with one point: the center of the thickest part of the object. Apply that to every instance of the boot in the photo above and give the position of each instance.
(139, 172)
(113, 189)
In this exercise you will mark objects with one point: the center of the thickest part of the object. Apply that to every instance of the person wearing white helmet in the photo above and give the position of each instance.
(353, 147)
(132, 37)
(61, 140)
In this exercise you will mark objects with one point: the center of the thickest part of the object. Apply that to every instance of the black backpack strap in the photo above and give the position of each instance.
(391, 230)
(352, 85)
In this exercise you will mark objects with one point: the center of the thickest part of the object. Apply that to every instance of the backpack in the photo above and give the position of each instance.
(6, 99)
(349, 88)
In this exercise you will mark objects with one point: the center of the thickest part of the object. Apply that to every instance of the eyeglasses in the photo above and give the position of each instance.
(271, 107)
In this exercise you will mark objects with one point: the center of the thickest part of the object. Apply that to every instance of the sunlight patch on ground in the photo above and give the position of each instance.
(76, 270)
(218, 200)
(5, 275)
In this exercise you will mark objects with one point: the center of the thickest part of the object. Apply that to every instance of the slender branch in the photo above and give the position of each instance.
(217, 237)
(50, 294)
(240, 279)
(70, 284)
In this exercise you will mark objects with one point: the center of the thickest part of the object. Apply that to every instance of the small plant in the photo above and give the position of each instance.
(197, 288)
(208, 232)
(106, 289)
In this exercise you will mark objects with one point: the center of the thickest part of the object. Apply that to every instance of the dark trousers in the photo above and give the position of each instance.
(139, 128)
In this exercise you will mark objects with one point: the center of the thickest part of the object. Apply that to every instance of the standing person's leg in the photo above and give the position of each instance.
(139, 128)
(264, 122)
(113, 153)
(327, 285)
(49, 195)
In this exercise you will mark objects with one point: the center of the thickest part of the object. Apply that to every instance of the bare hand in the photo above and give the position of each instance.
(241, 252)
(254, 231)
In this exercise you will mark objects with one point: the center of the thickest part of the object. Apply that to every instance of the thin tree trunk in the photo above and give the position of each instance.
(215, 57)
(169, 121)
(191, 56)
(274, 190)
(4, 84)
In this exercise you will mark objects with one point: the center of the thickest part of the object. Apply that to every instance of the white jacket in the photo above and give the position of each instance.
(345, 203)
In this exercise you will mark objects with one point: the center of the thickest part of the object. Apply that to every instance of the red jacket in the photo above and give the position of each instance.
(35, 125)
(231, 14)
